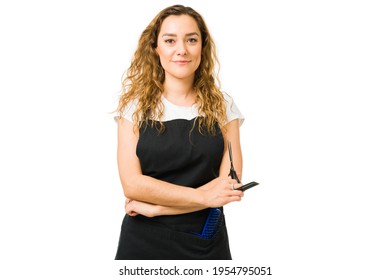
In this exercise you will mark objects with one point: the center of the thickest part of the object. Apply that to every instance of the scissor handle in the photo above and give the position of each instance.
(233, 174)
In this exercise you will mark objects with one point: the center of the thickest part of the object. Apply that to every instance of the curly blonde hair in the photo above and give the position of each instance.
(144, 79)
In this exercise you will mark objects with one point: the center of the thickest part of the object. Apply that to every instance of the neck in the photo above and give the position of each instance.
(179, 92)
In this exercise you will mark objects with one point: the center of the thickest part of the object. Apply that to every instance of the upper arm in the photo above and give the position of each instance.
(128, 162)
(232, 135)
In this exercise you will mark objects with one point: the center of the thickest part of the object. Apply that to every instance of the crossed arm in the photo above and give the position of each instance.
(151, 197)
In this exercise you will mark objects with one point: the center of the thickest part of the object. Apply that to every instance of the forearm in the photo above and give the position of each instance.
(151, 190)
(134, 207)
(175, 210)
(172, 210)
(233, 136)
(152, 197)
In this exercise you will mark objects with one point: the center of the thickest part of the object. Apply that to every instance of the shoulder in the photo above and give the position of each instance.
(232, 110)
(128, 111)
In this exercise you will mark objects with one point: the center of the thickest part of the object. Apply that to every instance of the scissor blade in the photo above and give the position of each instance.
(230, 153)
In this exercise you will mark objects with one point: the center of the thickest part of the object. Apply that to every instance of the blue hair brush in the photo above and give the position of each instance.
(212, 223)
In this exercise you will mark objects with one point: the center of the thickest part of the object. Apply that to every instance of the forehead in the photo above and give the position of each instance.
(182, 24)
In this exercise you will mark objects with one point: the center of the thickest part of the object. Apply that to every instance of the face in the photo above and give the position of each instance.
(179, 47)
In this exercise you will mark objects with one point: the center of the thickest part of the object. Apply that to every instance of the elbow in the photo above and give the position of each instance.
(130, 187)
(127, 192)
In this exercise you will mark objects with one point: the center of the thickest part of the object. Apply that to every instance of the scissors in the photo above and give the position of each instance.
(233, 173)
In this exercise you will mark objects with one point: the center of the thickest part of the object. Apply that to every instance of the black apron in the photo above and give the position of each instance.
(184, 156)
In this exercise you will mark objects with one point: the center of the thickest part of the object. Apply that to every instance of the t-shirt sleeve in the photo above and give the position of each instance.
(232, 111)
(127, 112)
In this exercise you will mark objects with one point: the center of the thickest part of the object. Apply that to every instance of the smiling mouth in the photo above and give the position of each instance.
(181, 61)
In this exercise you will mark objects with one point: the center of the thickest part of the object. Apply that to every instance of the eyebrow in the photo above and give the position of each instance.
(174, 35)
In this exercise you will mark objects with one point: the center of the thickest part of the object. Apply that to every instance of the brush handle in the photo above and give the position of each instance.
(212, 224)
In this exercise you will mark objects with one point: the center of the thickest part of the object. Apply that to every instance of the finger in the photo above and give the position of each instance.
(236, 193)
(233, 181)
(127, 201)
(233, 185)
(129, 208)
(234, 198)
(132, 213)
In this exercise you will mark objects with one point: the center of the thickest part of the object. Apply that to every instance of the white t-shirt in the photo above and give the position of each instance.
(173, 112)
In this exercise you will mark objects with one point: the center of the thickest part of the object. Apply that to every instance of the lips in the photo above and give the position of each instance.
(180, 62)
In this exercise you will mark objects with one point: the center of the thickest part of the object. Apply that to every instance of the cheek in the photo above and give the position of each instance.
(199, 58)
(164, 54)
(198, 53)
(164, 59)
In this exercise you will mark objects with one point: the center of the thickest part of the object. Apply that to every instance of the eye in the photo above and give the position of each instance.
(169, 41)
(192, 40)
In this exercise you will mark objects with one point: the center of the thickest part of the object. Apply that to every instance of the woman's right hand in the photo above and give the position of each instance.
(221, 191)
(134, 207)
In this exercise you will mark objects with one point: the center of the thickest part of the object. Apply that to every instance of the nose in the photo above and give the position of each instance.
(181, 49)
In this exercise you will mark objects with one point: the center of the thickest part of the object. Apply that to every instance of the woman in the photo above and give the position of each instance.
(173, 128)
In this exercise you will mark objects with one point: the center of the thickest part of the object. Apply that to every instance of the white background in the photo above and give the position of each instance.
(312, 79)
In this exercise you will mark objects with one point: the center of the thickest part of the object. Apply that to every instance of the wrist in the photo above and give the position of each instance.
(157, 210)
(199, 197)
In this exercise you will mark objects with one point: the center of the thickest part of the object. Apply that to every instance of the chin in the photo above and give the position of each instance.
(181, 75)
